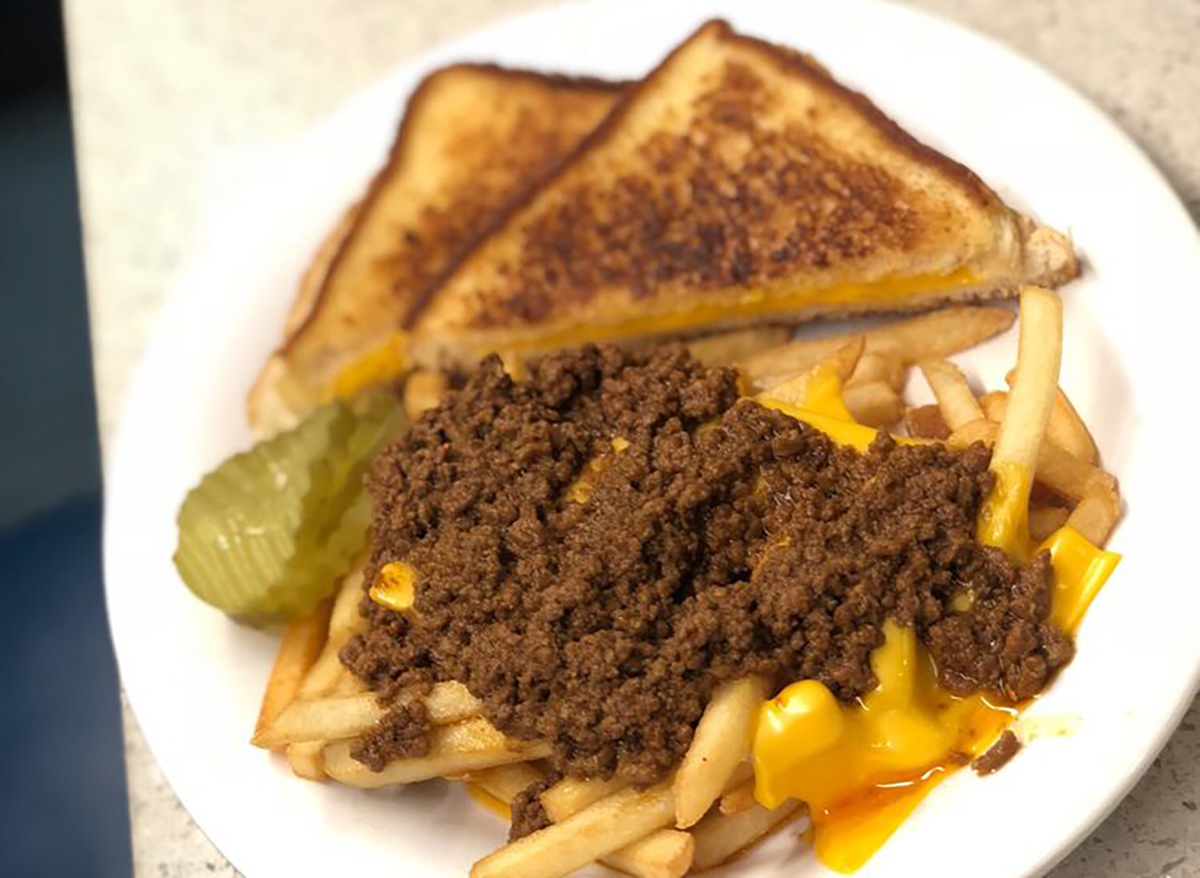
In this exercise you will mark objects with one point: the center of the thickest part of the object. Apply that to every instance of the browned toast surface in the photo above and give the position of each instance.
(472, 137)
(737, 180)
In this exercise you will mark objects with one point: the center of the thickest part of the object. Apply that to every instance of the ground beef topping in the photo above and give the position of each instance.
(528, 814)
(722, 539)
(999, 754)
(402, 731)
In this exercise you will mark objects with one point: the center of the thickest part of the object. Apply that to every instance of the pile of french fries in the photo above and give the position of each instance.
(706, 813)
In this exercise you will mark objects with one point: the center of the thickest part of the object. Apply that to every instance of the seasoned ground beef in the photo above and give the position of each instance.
(725, 539)
(528, 815)
(999, 754)
(403, 731)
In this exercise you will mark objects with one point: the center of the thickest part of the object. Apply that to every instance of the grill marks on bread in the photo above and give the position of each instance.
(726, 202)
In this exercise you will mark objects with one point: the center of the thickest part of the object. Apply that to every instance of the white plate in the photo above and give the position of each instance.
(194, 678)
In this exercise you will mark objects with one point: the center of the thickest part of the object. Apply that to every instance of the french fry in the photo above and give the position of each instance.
(738, 799)
(794, 388)
(720, 745)
(741, 774)
(301, 644)
(514, 364)
(572, 794)
(450, 702)
(1004, 517)
(719, 836)
(1096, 514)
(599, 829)
(348, 684)
(423, 390)
(307, 760)
(994, 405)
(954, 397)
(1045, 520)
(726, 348)
(327, 674)
(454, 750)
(937, 334)
(338, 717)
(926, 422)
(1064, 474)
(344, 622)
(874, 403)
(1070, 431)
(666, 853)
(505, 781)
(880, 366)
(326, 719)
(1067, 429)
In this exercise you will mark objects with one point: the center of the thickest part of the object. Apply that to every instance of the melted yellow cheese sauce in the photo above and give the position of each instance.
(756, 303)
(389, 360)
(862, 769)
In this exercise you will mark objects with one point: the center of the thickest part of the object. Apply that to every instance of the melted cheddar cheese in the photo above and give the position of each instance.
(755, 303)
(862, 769)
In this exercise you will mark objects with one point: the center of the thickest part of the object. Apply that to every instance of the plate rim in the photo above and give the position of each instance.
(409, 70)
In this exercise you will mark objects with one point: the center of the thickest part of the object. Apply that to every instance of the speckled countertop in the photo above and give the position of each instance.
(163, 87)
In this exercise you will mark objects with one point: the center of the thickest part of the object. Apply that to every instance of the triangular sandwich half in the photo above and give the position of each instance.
(472, 137)
(738, 183)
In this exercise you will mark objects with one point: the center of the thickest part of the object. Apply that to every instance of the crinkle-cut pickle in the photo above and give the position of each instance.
(267, 534)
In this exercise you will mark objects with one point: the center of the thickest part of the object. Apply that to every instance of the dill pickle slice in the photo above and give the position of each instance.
(268, 533)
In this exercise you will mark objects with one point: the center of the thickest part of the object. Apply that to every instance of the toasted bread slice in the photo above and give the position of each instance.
(739, 182)
(471, 138)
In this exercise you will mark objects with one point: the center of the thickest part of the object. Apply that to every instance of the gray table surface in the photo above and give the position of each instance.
(162, 88)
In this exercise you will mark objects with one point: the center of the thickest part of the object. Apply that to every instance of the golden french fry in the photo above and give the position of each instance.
(327, 674)
(572, 794)
(600, 829)
(344, 622)
(1045, 520)
(926, 422)
(666, 853)
(880, 366)
(954, 397)
(726, 348)
(1096, 514)
(301, 644)
(450, 702)
(738, 799)
(874, 403)
(1069, 430)
(423, 390)
(994, 405)
(1064, 474)
(505, 781)
(454, 750)
(719, 836)
(741, 774)
(337, 717)
(348, 684)
(307, 760)
(793, 388)
(514, 364)
(328, 719)
(937, 334)
(1004, 516)
(720, 745)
